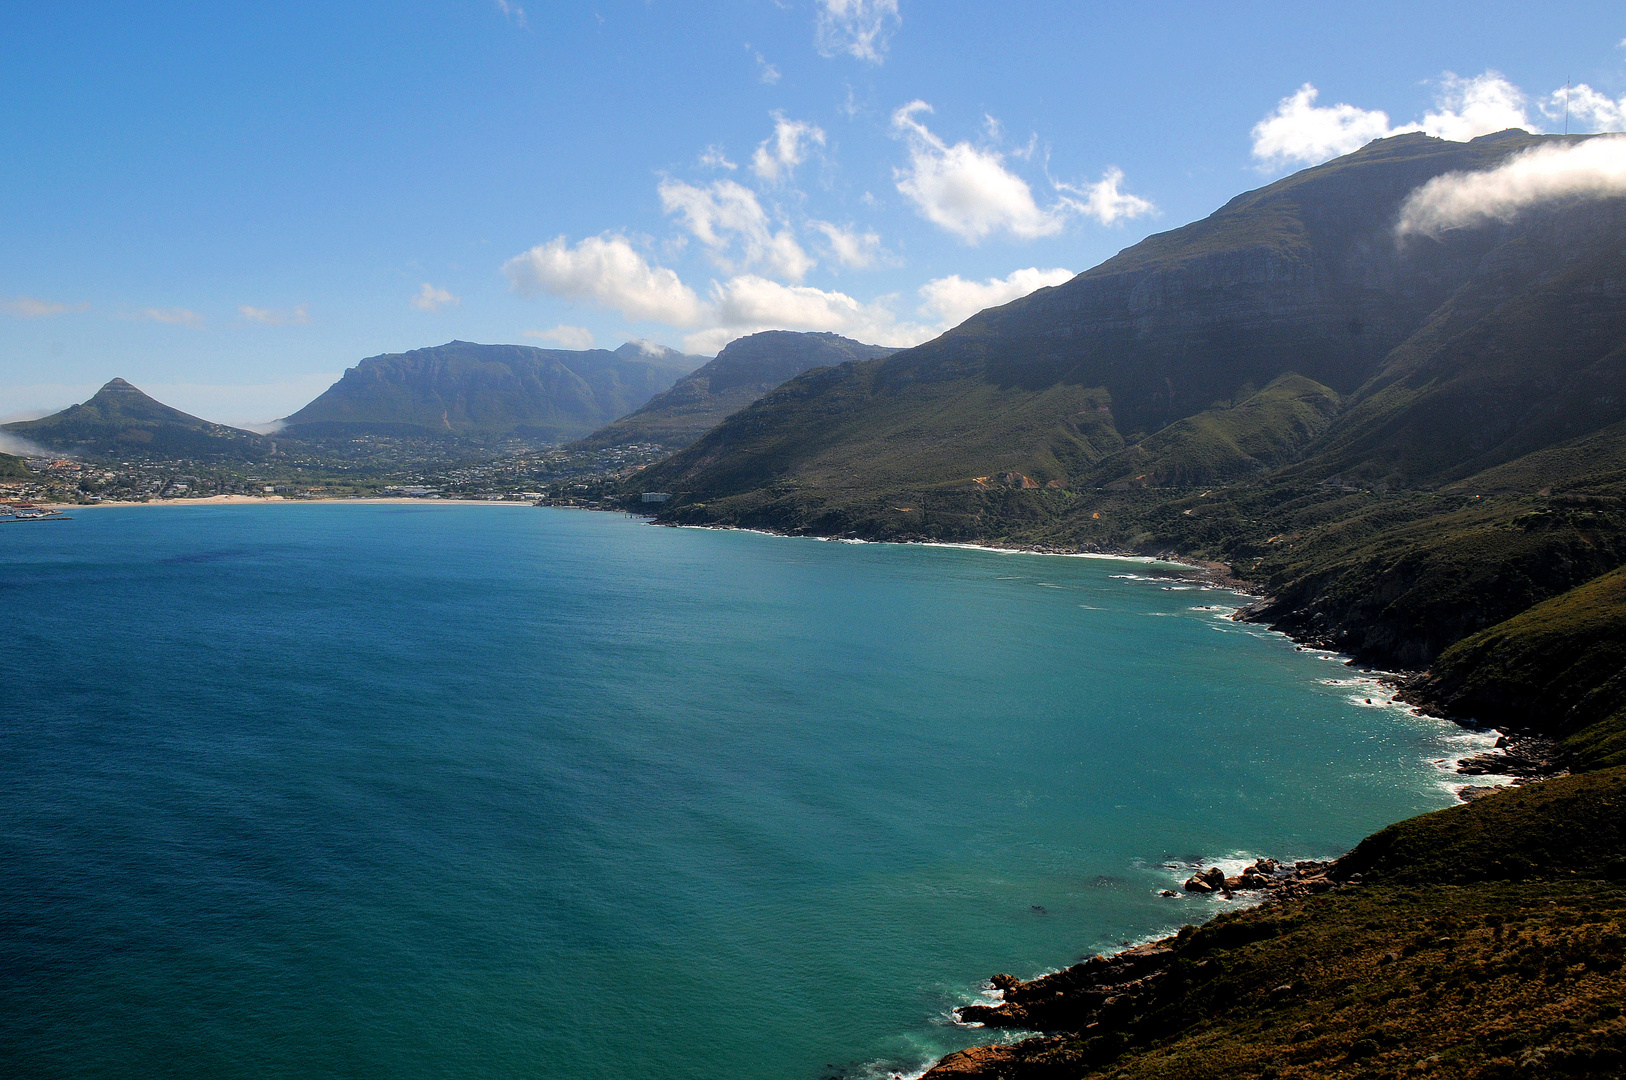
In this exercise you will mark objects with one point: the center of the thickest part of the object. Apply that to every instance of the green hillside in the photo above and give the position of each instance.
(122, 422)
(1363, 427)
(1423, 344)
(462, 388)
(13, 468)
(745, 370)
(1561, 662)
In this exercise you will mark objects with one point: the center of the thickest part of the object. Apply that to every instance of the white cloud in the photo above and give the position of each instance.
(1586, 108)
(766, 72)
(607, 271)
(714, 158)
(779, 154)
(1595, 168)
(565, 336)
(430, 298)
(1105, 203)
(849, 247)
(647, 347)
(858, 28)
(513, 12)
(1469, 108)
(952, 300)
(30, 307)
(175, 316)
(965, 190)
(749, 303)
(724, 213)
(271, 317)
(1302, 132)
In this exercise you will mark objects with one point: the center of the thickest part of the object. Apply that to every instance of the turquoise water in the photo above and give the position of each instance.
(420, 791)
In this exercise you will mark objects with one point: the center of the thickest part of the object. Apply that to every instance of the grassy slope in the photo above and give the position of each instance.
(746, 369)
(1561, 664)
(1484, 941)
(13, 468)
(1265, 430)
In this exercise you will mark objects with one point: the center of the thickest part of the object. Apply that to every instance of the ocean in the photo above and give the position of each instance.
(330, 790)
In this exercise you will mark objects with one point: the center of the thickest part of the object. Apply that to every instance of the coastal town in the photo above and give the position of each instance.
(548, 476)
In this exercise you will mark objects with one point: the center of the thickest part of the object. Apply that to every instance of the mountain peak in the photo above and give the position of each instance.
(118, 386)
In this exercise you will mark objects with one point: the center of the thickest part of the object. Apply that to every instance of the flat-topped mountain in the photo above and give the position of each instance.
(745, 370)
(1407, 360)
(462, 388)
(121, 421)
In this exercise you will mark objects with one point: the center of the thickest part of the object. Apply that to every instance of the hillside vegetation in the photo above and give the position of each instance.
(121, 421)
(745, 370)
(1484, 941)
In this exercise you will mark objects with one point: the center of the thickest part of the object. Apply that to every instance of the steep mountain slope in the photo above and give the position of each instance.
(1561, 664)
(121, 421)
(745, 370)
(1303, 277)
(462, 388)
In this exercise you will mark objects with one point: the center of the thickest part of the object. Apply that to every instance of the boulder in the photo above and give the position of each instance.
(1005, 982)
(1198, 885)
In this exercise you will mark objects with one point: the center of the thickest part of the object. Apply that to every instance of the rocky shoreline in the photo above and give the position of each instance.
(1096, 997)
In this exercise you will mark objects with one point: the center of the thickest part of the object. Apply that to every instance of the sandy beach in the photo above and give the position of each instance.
(263, 500)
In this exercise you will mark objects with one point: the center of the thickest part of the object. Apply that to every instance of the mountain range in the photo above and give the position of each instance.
(1290, 326)
(745, 370)
(462, 388)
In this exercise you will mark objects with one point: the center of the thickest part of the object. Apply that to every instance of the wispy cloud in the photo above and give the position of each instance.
(565, 336)
(1301, 132)
(1105, 202)
(714, 158)
(513, 13)
(856, 28)
(848, 247)
(30, 307)
(968, 191)
(272, 317)
(727, 218)
(1586, 109)
(174, 316)
(766, 72)
(778, 155)
(1592, 169)
(952, 300)
(430, 298)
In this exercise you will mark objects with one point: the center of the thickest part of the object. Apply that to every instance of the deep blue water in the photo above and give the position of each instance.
(419, 791)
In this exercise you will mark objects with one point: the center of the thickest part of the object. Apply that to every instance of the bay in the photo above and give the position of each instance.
(451, 791)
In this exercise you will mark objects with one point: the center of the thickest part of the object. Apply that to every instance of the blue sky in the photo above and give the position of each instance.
(229, 204)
